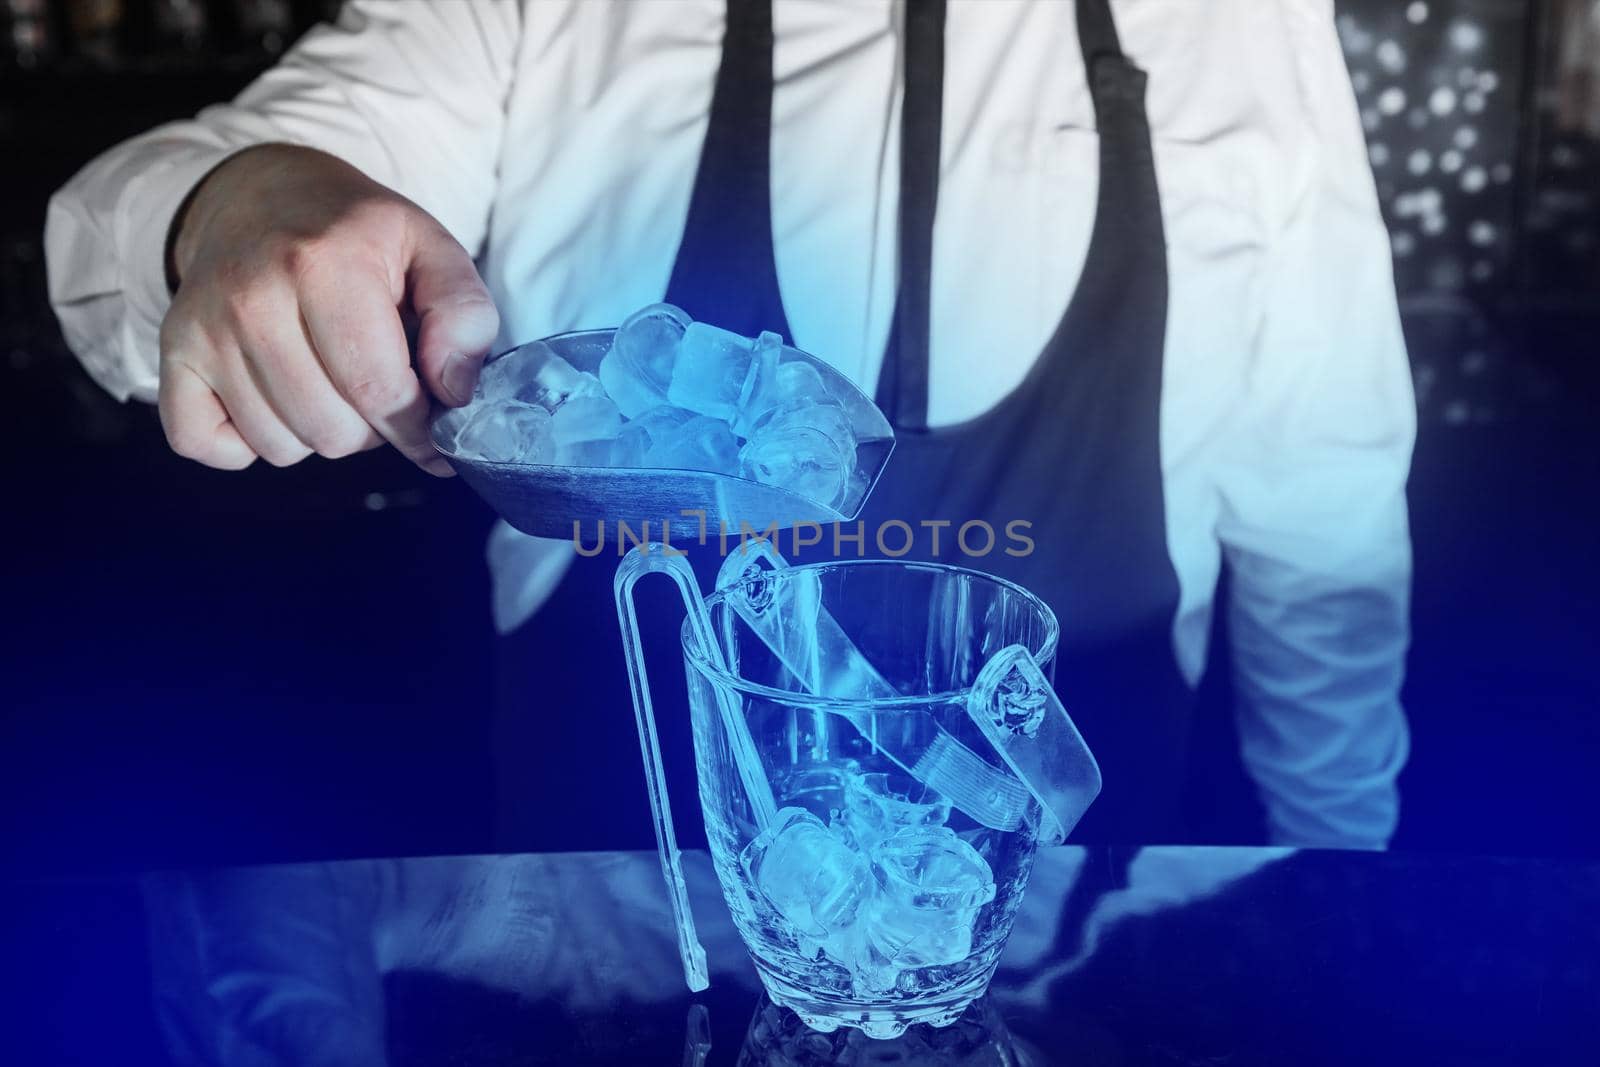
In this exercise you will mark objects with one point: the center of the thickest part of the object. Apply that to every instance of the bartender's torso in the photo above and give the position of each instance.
(608, 113)
(559, 141)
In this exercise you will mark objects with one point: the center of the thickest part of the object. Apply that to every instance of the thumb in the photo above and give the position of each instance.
(457, 322)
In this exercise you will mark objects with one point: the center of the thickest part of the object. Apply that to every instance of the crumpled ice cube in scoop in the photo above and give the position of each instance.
(534, 374)
(507, 432)
(585, 430)
(805, 447)
(638, 368)
(700, 444)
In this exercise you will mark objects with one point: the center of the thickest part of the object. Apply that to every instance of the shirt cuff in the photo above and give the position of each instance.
(143, 221)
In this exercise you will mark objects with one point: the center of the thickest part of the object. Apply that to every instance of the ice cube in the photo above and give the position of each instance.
(875, 809)
(811, 877)
(585, 430)
(699, 444)
(534, 374)
(799, 380)
(638, 368)
(717, 372)
(499, 377)
(761, 390)
(601, 453)
(791, 383)
(553, 382)
(899, 937)
(805, 447)
(507, 432)
(653, 427)
(826, 417)
(446, 428)
(933, 886)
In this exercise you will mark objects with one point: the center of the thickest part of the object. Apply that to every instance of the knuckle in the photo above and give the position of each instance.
(175, 329)
(360, 230)
(285, 455)
(338, 439)
(184, 437)
(303, 257)
(383, 395)
(247, 306)
(181, 332)
(321, 439)
(236, 273)
(377, 214)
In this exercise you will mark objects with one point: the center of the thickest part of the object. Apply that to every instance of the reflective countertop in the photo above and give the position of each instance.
(1119, 956)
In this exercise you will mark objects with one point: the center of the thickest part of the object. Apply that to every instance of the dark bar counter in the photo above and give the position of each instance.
(1119, 956)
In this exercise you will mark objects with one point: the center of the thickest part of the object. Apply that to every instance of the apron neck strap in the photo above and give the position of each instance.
(903, 386)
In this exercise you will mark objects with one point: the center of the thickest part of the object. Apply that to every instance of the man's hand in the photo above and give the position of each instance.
(285, 336)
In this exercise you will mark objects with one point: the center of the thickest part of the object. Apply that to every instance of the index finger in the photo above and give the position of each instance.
(357, 334)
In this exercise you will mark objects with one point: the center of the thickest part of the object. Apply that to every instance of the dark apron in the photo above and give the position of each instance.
(1073, 452)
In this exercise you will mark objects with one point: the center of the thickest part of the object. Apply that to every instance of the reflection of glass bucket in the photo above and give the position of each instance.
(871, 899)
(980, 1038)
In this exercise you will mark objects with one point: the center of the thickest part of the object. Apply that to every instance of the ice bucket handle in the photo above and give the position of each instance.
(1017, 709)
(658, 558)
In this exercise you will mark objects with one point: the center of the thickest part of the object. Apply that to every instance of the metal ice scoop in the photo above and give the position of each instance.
(547, 499)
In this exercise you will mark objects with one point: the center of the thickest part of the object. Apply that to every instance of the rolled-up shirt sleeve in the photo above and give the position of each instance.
(413, 94)
(1313, 518)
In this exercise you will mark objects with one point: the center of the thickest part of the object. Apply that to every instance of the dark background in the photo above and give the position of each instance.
(283, 664)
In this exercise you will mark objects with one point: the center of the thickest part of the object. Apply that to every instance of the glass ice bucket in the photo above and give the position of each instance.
(871, 840)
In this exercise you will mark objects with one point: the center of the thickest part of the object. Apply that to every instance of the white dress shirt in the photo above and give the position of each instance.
(558, 139)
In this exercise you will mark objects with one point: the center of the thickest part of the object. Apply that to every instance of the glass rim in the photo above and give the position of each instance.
(696, 659)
